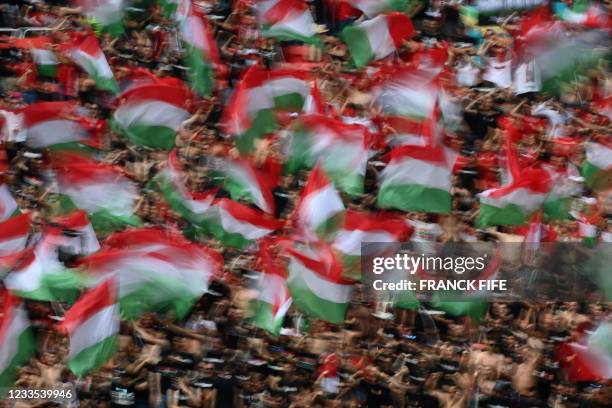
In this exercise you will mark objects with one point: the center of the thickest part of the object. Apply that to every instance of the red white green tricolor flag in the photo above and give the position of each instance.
(287, 20)
(8, 205)
(92, 324)
(251, 112)
(78, 237)
(597, 169)
(244, 181)
(151, 114)
(320, 209)
(17, 343)
(417, 178)
(87, 54)
(14, 234)
(377, 38)
(317, 286)
(46, 124)
(107, 13)
(341, 149)
(46, 62)
(372, 8)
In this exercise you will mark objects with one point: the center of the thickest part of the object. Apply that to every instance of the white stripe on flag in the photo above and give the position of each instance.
(320, 287)
(100, 326)
(412, 171)
(10, 345)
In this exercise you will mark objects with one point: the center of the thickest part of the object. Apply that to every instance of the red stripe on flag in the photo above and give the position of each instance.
(88, 305)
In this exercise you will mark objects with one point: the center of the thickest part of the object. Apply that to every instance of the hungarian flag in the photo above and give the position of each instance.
(243, 181)
(77, 235)
(46, 61)
(106, 13)
(558, 202)
(475, 309)
(513, 203)
(14, 234)
(340, 148)
(261, 93)
(151, 114)
(373, 8)
(201, 53)
(417, 178)
(237, 225)
(153, 274)
(597, 169)
(582, 14)
(171, 183)
(92, 324)
(8, 205)
(273, 299)
(17, 343)
(589, 359)
(101, 189)
(377, 38)
(317, 286)
(87, 54)
(320, 209)
(52, 124)
(287, 20)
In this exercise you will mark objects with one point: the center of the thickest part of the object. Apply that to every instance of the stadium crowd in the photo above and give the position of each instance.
(493, 98)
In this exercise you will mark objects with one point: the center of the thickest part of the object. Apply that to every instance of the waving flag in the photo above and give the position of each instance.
(87, 54)
(317, 286)
(377, 38)
(261, 93)
(14, 234)
(45, 59)
(587, 16)
(8, 205)
(558, 202)
(92, 324)
(342, 150)
(417, 178)
(201, 54)
(287, 20)
(372, 8)
(597, 169)
(150, 115)
(17, 343)
(47, 124)
(78, 236)
(320, 209)
(107, 13)
(244, 181)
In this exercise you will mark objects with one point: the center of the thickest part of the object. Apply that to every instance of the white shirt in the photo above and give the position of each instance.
(527, 78)
(500, 73)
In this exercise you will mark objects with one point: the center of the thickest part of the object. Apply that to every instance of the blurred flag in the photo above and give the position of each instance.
(597, 169)
(86, 53)
(372, 8)
(107, 13)
(8, 205)
(14, 234)
(17, 343)
(287, 20)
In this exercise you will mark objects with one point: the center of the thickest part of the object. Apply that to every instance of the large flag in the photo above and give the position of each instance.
(377, 38)
(273, 299)
(107, 13)
(320, 209)
(597, 169)
(237, 225)
(8, 205)
(92, 324)
(100, 189)
(243, 181)
(317, 286)
(340, 148)
(372, 8)
(417, 178)
(46, 124)
(287, 20)
(17, 342)
(14, 234)
(201, 54)
(87, 54)
(151, 114)
(251, 112)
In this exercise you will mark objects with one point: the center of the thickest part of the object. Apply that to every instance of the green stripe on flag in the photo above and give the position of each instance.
(200, 73)
(596, 178)
(309, 303)
(27, 348)
(93, 357)
(158, 295)
(263, 317)
(264, 122)
(104, 222)
(557, 209)
(358, 44)
(511, 214)
(415, 197)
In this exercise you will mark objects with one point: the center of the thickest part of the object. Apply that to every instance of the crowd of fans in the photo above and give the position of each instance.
(409, 358)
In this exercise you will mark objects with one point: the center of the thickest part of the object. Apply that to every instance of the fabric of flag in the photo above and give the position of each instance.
(269, 307)
(52, 124)
(340, 148)
(100, 189)
(597, 169)
(559, 200)
(237, 225)
(46, 61)
(261, 93)
(590, 358)
(287, 20)
(372, 8)
(87, 54)
(107, 13)
(475, 309)
(243, 181)
(201, 54)
(377, 38)
(581, 14)
(77, 234)
(151, 114)
(92, 324)
(17, 343)
(8, 205)
(320, 209)
(153, 270)
(14, 234)
(317, 286)
(417, 178)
